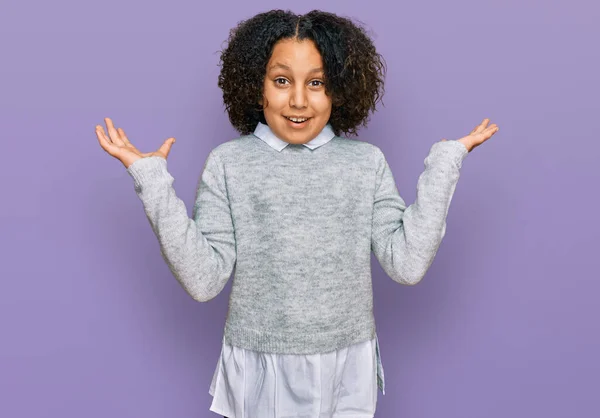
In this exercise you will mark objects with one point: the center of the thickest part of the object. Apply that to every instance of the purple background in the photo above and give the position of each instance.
(505, 323)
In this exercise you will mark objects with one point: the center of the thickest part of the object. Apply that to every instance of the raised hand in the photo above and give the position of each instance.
(479, 135)
(118, 146)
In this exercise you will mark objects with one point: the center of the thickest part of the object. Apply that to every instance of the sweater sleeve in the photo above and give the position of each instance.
(405, 239)
(201, 251)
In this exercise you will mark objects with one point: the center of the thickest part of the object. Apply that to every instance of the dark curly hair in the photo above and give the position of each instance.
(354, 71)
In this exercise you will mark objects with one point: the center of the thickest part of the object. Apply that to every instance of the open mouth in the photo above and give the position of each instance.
(297, 121)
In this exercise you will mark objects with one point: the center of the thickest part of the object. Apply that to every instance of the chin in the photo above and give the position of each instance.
(298, 138)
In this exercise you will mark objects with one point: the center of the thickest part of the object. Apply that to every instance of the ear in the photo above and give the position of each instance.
(261, 102)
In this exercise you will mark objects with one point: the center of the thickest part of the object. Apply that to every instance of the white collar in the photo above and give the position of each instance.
(265, 133)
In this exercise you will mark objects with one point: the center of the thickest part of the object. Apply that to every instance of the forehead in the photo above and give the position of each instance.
(296, 54)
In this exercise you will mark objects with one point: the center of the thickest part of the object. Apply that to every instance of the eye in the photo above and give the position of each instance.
(319, 83)
(280, 81)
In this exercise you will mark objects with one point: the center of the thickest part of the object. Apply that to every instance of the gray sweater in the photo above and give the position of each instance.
(299, 226)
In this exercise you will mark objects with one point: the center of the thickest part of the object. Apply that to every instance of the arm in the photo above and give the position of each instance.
(406, 239)
(200, 252)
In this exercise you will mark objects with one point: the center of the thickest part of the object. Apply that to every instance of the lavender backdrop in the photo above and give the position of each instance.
(504, 324)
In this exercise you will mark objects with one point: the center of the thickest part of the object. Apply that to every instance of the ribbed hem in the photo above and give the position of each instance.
(296, 343)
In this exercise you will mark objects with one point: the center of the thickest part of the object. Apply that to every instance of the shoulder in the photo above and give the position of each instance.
(231, 149)
(358, 145)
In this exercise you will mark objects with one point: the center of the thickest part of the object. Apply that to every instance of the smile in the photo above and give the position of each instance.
(297, 120)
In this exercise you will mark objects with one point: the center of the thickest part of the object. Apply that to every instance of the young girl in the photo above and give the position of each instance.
(297, 209)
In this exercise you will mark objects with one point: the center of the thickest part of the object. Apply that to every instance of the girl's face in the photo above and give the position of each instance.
(294, 88)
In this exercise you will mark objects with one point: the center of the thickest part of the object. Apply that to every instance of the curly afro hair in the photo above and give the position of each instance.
(354, 71)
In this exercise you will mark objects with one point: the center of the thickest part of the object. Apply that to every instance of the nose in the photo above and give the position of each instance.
(298, 97)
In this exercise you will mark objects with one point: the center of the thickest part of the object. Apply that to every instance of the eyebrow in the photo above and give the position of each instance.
(285, 67)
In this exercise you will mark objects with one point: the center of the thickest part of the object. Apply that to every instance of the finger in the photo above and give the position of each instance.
(123, 137)
(114, 135)
(488, 132)
(494, 130)
(166, 146)
(479, 128)
(100, 128)
(105, 143)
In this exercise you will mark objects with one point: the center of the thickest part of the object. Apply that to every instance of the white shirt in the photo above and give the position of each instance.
(252, 384)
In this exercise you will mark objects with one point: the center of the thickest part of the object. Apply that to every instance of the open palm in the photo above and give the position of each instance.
(478, 135)
(117, 145)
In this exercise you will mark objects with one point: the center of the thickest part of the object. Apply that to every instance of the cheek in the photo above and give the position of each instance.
(323, 104)
(274, 97)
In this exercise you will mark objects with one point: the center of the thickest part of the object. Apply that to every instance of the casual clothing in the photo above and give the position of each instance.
(252, 384)
(249, 383)
(298, 224)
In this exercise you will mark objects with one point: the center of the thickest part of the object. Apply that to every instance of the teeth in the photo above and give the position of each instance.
(297, 120)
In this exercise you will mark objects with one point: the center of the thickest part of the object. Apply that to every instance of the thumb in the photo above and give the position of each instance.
(166, 146)
(444, 139)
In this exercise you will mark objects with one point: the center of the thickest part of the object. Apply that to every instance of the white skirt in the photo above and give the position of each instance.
(342, 383)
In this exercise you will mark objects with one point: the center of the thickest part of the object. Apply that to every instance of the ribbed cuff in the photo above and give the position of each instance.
(147, 171)
(455, 150)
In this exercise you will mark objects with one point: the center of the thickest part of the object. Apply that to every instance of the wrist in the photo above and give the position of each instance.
(466, 144)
